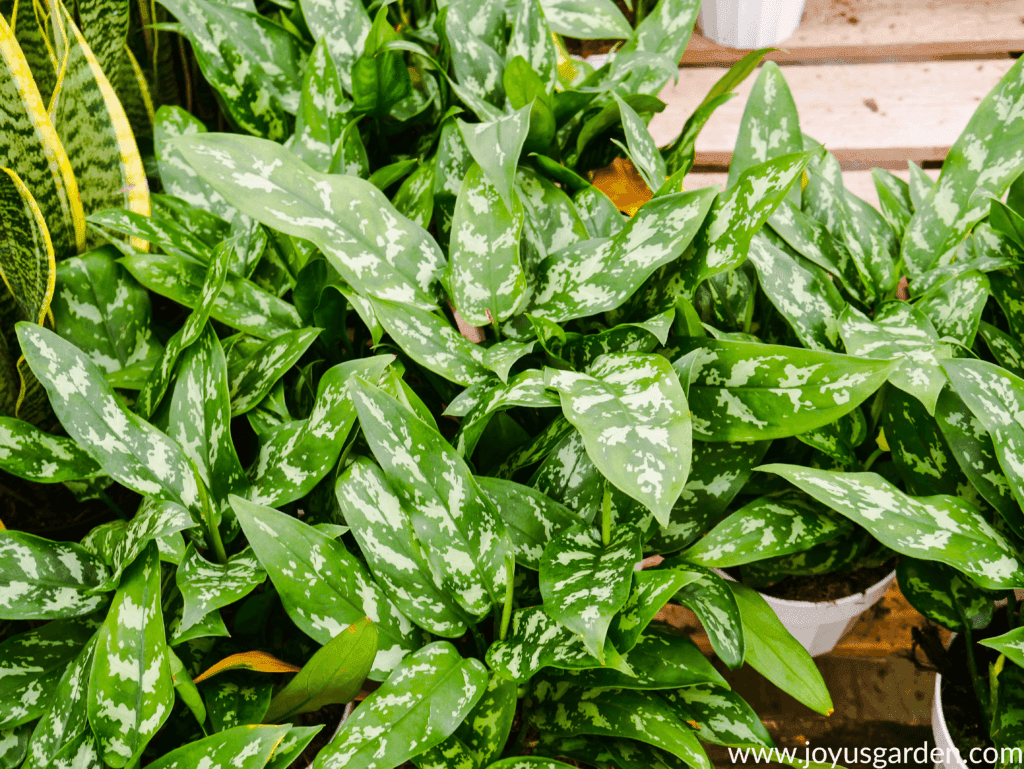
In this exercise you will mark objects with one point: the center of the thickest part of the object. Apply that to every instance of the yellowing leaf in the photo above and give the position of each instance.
(261, 662)
(622, 183)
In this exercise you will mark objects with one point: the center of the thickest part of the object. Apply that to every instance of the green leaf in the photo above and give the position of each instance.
(531, 39)
(743, 391)
(642, 716)
(936, 590)
(343, 25)
(585, 582)
(130, 688)
(374, 248)
(207, 586)
(166, 235)
(477, 66)
(531, 517)
(186, 688)
(176, 175)
(28, 269)
(1007, 289)
(621, 754)
(894, 199)
(775, 654)
(723, 717)
(452, 753)
(597, 275)
(486, 729)
(1007, 728)
(421, 704)
(650, 592)
(640, 437)
(920, 452)
(243, 747)
(987, 156)
(552, 220)
(642, 150)
(464, 538)
(328, 589)
(252, 377)
(14, 746)
(586, 19)
(29, 453)
(297, 456)
(154, 520)
(939, 528)
(415, 198)
(764, 528)
(384, 529)
(334, 675)
(709, 597)
(33, 665)
(1011, 644)
(954, 307)
(321, 117)
(1007, 350)
(496, 146)
(663, 34)
(290, 749)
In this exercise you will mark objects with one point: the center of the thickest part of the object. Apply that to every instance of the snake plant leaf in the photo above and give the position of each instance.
(642, 150)
(986, 156)
(200, 417)
(955, 306)
(770, 126)
(585, 582)
(383, 526)
(777, 655)
(904, 333)
(746, 391)
(242, 747)
(1007, 350)
(321, 116)
(130, 688)
(128, 449)
(94, 129)
(600, 274)
(636, 715)
(290, 749)
(802, 293)
(33, 664)
(938, 528)
(420, 705)
(738, 213)
(333, 675)
(538, 641)
(343, 25)
(496, 145)
(47, 580)
(764, 528)
(942, 594)
(531, 518)
(251, 378)
(375, 249)
(100, 309)
(32, 150)
(207, 586)
(974, 451)
(709, 597)
(651, 590)
(464, 538)
(641, 437)
(487, 280)
(477, 66)
(35, 45)
(29, 268)
(723, 716)
(487, 727)
(296, 457)
(894, 199)
(586, 19)
(329, 588)
(177, 176)
(29, 453)
(531, 39)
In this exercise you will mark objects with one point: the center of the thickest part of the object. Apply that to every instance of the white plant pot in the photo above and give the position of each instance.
(820, 626)
(749, 23)
(950, 752)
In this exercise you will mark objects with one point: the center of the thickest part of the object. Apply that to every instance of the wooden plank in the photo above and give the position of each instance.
(869, 113)
(901, 29)
(860, 183)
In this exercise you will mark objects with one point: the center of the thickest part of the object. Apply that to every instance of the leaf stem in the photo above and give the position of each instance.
(871, 459)
(606, 516)
(209, 519)
(506, 611)
(112, 505)
(972, 665)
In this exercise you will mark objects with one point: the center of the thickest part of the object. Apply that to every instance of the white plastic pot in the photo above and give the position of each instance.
(749, 23)
(820, 626)
(950, 753)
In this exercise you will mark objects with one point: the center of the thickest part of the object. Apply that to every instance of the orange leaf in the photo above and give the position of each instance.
(261, 662)
(623, 185)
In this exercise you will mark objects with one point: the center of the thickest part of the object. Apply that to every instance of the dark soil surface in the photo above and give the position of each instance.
(828, 587)
(964, 718)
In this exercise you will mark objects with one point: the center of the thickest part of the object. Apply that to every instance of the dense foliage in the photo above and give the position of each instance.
(403, 398)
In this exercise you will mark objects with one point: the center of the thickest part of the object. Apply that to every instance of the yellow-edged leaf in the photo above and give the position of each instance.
(27, 264)
(261, 662)
(29, 146)
(623, 185)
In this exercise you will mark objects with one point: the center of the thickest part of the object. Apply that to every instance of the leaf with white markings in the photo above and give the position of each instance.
(486, 729)
(723, 717)
(321, 117)
(1007, 350)
(662, 36)
(420, 705)
(942, 594)
(641, 437)
(14, 745)
(252, 377)
(642, 150)
(709, 597)
(154, 520)
(954, 307)
(531, 39)
(939, 528)
(531, 518)
(130, 688)
(29, 453)
(586, 19)
(209, 586)
(243, 747)
(651, 590)
(328, 588)
(477, 65)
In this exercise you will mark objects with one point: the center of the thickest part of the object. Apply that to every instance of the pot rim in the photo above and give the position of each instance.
(856, 598)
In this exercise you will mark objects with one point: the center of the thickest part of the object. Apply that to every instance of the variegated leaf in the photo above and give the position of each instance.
(236, 700)
(243, 747)
(709, 597)
(749, 391)
(386, 535)
(207, 586)
(651, 590)
(598, 275)
(600, 216)
(920, 452)
(942, 594)
(477, 66)
(291, 748)
(954, 307)
(375, 249)
(207, 228)
(251, 378)
(596, 751)
(14, 745)
(464, 538)
(537, 641)
(130, 687)
(723, 716)
(485, 399)
(415, 198)
(154, 520)
(495, 145)
(328, 588)
(551, 217)
(30, 453)
(28, 269)
(987, 156)
(166, 235)
(894, 199)
(176, 175)
(636, 715)
(642, 150)
(486, 729)
(531, 39)
(585, 581)
(321, 116)
(586, 19)
(531, 518)
(1008, 291)
(939, 528)
(422, 702)
(664, 32)
(344, 26)
(1011, 644)
(33, 664)
(1007, 350)
(640, 438)
(128, 449)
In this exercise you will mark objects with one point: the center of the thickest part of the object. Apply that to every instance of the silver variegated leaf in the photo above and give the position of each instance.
(206, 587)
(321, 116)
(344, 26)
(29, 453)
(531, 39)
(243, 747)
(478, 67)
(709, 597)
(651, 590)
(664, 33)
(586, 19)
(250, 378)
(486, 729)
(40, 579)
(954, 307)
(723, 716)
(176, 175)
(1007, 350)
(154, 520)
(642, 149)
(531, 518)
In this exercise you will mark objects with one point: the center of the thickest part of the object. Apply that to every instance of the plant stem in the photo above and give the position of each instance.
(979, 689)
(606, 516)
(506, 611)
(212, 530)
(871, 459)
(641, 13)
(112, 505)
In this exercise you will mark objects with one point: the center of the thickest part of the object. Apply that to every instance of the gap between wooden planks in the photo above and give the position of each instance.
(899, 29)
(870, 113)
